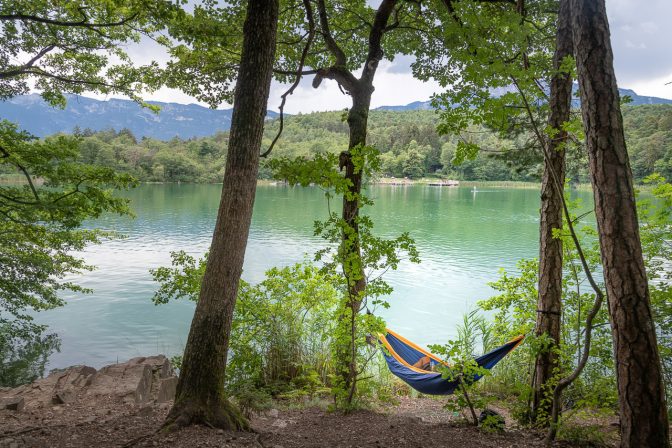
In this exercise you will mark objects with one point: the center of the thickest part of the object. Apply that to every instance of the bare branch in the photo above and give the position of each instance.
(302, 61)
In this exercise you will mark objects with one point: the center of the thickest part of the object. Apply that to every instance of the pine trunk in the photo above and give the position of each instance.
(200, 394)
(643, 410)
(549, 305)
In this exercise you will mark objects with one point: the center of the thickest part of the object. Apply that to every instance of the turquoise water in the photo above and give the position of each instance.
(464, 237)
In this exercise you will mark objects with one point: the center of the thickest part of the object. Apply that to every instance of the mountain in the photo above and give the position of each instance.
(174, 120)
(33, 114)
(637, 100)
(415, 105)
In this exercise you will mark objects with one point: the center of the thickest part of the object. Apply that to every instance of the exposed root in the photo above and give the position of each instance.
(223, 415)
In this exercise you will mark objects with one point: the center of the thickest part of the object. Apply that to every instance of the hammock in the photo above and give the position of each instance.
(401, 354)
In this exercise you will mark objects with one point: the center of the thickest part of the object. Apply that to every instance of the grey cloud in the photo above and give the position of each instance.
(401, 64)
(641, 39)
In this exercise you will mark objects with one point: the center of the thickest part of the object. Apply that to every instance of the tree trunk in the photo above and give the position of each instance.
(549, 305)
(643, 410)
(200, 394)
(350, 251)
(353, 270)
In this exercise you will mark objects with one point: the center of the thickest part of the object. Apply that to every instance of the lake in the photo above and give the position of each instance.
(464, 236)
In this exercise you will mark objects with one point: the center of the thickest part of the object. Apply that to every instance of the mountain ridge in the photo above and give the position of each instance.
(637, 100)
(33, 114)
(185, 121)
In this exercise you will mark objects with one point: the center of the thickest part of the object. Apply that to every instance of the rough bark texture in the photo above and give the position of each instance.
(200, 392)
(643, 410)
(549, 305)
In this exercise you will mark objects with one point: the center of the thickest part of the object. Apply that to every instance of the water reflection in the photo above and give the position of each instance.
(464, 238)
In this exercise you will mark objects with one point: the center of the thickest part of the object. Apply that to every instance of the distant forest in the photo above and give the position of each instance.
(408, 141)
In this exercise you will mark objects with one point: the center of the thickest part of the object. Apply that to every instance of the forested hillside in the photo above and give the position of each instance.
(408, 141)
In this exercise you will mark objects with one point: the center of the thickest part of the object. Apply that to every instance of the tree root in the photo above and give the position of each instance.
(223, 415)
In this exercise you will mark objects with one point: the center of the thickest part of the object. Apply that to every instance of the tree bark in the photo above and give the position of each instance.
(549, 305)
(641, 392)
(360, 89)
(358, 116)
(200, 394)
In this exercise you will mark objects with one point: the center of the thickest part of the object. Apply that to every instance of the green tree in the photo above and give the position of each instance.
(200, 396)
(69, 47)
(59, 48)
(500, 60)
(341, 37)
(39, 228)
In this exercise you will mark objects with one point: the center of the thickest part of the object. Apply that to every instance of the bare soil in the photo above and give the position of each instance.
(415, 422)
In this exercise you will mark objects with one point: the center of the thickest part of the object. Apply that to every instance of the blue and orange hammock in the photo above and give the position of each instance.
(401, 354)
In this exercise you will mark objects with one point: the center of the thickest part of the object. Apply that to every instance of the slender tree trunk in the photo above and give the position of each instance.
(352, 265)
(641, 392)
(360, 89)
(549, 305)
(200, 394)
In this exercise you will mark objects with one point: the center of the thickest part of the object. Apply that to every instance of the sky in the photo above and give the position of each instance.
(641, 36)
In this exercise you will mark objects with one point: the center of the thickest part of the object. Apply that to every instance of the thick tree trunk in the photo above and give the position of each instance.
(200, 394)
(641, 391)
(549, 305)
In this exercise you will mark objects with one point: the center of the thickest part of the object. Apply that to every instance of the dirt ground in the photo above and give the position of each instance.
(415, 422)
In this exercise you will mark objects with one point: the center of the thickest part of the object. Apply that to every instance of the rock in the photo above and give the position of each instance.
(130, 382)
(12, 403)
(60, 387)
(63, 397)
(146, 411)
(167, 388)
(280, 423)
(273, 413)
(138, 381)
(134, 381)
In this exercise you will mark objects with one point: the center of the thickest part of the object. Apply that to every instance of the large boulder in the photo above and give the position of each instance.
(58, 388)
(12, 403)
(137, 381)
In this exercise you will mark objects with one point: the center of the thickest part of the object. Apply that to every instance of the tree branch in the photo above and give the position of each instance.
(302, 61)
(5, 154)
(333, 47)
(375, 54)
(82, 23)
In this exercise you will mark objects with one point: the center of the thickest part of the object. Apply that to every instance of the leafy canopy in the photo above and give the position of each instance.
(61, 47)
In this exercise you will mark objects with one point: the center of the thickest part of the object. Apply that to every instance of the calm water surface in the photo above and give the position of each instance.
(464, 236)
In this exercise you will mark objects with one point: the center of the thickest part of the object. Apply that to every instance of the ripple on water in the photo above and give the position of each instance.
(463, 239)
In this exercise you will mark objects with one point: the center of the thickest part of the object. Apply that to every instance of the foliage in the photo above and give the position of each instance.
(39, 224)
(77, 46)
(583, 435)
(349, 254)
(281, 330)
(515, 312)
(655, 214)
(473, 334)
(399, 136)
(23, 354)
(494, 61)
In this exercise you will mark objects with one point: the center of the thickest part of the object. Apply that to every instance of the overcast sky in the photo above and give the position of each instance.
(641, 35)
